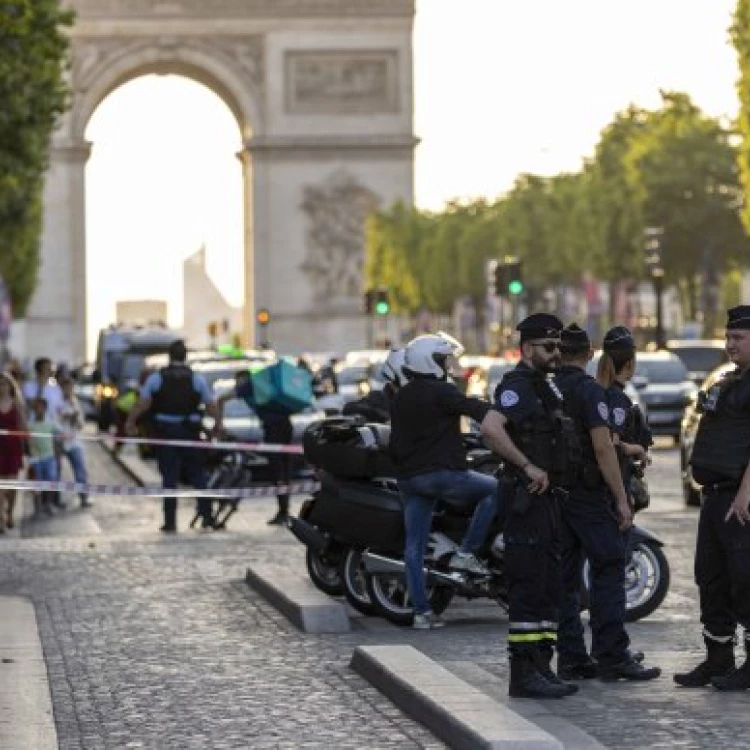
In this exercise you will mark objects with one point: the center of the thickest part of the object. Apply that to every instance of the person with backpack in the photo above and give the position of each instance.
(274, 413)
(173, 397)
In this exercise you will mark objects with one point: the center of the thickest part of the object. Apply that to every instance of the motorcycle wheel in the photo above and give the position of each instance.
(352, 574)
(323, 570)
(647, 578)
(390, 597)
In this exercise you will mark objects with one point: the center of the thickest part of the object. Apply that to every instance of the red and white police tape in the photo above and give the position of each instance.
(201, 444)
(269, 490)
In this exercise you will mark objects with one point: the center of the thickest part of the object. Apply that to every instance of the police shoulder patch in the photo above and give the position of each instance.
(603, 410)
(619, 415)
(508, 399)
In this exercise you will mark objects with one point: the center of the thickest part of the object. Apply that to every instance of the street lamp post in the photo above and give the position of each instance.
(655, 265)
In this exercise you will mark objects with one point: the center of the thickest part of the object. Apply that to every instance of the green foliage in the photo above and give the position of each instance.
(33, 49)
(674, 168)
(740, 33)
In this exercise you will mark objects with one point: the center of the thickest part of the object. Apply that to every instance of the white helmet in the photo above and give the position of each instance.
(427, 355)
(393, 366)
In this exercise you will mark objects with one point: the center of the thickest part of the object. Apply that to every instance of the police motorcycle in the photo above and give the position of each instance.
(358, 506)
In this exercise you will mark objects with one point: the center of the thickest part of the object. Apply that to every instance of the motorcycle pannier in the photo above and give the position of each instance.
(349, 448)
(359, 513)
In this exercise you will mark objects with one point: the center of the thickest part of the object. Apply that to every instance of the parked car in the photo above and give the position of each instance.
(700, 356)
(665, 387)
(688, 431)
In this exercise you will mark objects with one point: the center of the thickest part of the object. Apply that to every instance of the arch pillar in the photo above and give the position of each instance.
(56, 318)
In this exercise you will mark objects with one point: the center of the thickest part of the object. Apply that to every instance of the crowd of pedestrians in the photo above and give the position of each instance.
(40, 423)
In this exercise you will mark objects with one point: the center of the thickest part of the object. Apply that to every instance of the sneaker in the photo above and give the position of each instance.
(428, 621)
(280, 519)
(462, 562)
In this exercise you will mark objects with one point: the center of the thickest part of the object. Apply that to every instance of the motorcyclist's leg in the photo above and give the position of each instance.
(417, 520)
(482, 490)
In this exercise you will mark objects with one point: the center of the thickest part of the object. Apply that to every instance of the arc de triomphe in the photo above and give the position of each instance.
(322, 92)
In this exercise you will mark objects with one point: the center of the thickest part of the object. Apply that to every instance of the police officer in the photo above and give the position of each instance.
(596, 514)
(538, 458)
(173, 396)
(633, 436)
(722, 559)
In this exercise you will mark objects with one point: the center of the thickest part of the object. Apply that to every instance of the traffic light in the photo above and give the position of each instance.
(263, 317)
(369, 302)
(382, 304)
(213, 329)
(501, 279)
(514, 278)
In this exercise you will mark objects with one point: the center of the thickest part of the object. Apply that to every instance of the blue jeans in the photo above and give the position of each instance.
(78, 464)
(420, 494)
(45, 469)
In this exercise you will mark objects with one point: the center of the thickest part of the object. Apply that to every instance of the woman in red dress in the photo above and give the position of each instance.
(11, 446)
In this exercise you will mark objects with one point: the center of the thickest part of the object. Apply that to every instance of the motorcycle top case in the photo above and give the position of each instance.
(283, 387)
(362, 514)
(349, 448)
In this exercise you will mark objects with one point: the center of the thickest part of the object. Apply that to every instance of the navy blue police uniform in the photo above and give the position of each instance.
(532, 406)
(590, 529)
(722, 557)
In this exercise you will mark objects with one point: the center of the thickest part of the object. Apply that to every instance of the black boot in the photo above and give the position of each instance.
(282, 515)
(719, 661)
(579, 669)
(543, 662)
(736, 680)
(527, 682)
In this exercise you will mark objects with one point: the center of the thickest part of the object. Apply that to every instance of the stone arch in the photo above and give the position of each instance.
(233, 73)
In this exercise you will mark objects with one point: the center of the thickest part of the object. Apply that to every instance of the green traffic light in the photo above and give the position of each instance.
(382, 308)
(515, 287)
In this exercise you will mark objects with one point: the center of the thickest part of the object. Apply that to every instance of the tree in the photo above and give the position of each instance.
(33, 51)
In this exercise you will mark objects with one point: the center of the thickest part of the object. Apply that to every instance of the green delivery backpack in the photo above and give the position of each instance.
(282, 387)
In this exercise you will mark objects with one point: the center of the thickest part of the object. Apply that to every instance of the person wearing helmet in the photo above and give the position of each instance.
(427, 449)
(376, 405)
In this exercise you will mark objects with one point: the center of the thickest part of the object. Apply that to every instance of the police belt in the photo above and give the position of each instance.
(716, 488)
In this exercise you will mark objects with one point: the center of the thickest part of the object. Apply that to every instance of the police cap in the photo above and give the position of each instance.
(738, 318)
(540, 326)
(617, 339)
(574, 338)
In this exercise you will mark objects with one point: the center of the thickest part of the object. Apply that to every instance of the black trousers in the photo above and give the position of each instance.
(280, 431)
(590, 530)
(722, 566)
(532, 559)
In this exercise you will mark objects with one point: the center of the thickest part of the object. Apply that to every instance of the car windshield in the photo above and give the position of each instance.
(700, 358)
(225, 370)
(662, 371)
(351, 375)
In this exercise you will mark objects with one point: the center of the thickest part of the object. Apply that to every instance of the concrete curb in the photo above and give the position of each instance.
(26, 717)
(454, 711)
(298, 600)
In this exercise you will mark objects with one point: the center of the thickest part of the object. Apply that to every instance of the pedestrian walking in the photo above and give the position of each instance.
(541, 457)
(71, 420)
(173, 397)
(43, 434)
(596, 516)
(13, 419)
(722, 557)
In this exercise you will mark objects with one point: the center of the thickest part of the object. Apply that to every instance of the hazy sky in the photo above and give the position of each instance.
(501, 88)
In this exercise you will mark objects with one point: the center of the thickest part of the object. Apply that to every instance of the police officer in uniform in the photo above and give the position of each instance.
(540, 457)
(596, 514)
(722, 559)
(173, 396)
(633, 436)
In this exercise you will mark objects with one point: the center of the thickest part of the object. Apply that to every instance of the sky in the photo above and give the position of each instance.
(501, 88)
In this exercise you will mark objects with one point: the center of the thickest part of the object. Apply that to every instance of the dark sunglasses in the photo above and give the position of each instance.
(548, 346)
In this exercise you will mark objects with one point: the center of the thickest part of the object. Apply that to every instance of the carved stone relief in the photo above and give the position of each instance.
(336, 211)
(243, 8)
(342, 82)
(245, 54)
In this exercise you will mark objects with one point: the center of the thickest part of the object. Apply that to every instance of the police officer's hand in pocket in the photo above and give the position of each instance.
(740, 509)
(539, 479)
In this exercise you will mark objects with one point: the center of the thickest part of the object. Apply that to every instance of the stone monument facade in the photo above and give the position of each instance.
(322, 91)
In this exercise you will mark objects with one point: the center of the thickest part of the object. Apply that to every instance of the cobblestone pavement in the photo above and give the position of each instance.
(155, 642)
